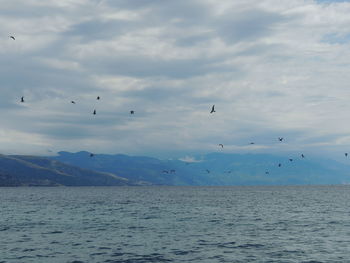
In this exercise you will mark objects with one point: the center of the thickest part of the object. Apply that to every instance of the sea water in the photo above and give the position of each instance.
(175, 224)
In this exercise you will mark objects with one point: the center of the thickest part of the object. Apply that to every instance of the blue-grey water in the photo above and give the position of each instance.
(175, 224)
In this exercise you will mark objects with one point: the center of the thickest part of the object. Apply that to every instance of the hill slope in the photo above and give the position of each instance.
(40, 171)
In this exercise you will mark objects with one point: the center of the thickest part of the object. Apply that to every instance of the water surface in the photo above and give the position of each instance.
(175, 224)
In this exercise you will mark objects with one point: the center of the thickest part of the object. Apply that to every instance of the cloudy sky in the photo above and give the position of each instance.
(272, 69)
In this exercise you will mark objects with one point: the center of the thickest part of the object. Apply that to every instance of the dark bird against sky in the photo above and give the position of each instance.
(212, 109)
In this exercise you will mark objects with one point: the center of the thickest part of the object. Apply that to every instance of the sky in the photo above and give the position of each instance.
(271, 68)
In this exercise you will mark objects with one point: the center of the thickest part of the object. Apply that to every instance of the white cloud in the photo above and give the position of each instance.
(272, 69)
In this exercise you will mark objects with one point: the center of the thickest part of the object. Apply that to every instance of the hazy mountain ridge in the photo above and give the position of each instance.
(215, 169)
(17, 170)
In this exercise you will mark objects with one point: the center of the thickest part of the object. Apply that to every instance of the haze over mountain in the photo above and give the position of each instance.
(40, 171)
(215, 169)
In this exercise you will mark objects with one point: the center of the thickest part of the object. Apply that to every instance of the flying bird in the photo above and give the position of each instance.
(267, 172)
(280, 139)
(346, 154)
(98, 98)
(22, 99)
(302, 156)
(212, 109)
(73, 102)
(252, 143)
(291, 160)
(91, 155)
(207, 171)
(165, 171)
(220, 144)
(132, 112)
(12, 37)
(279, 165)
(94, 113)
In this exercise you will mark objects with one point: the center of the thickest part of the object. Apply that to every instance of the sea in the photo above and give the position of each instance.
(175, 224)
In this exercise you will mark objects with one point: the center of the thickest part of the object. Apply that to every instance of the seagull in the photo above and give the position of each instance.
(279, 165)
(94, 113)
(165, 171)
(22, 99)
(98, 97)
(12, 37)
(346, 154)
(291, 160)
(220, 144)
(73, 102)
(280, 139)
(212, 109)
(132, 112)
(302, 156)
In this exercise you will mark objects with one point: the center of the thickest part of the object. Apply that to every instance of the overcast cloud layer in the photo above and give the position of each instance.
(272, 68)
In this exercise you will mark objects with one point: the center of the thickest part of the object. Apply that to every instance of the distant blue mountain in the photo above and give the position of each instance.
(21, 170)
(215, 169)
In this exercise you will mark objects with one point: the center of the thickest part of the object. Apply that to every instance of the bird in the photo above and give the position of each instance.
(91, 155)
(73, 102)
(346, 154)
(220, 144)
(302, 156)
(280, 139)
(22, 99)
(267, 172)
(291, 160)
(207, 171)
(165, 171)
(13, 37)
(98, 97)
(172, 171)
(279, 165)
(94, 113)
(132, 112)
(212, 109)
(252, 143)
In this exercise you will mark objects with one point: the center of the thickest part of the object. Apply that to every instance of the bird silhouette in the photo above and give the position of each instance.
(132, 112)
(346, 154)
(22, 99)
(172, 171)
(73, 102)
(12, 37)
(220, 144)
(212, 109)
(280, 139)
(207, 171)
(94, 113)
(98, 98)
(291, 160)
(91, 155)
(165, 172)
(252, 143)
(279, 165)
(267, 172)
(302, 156)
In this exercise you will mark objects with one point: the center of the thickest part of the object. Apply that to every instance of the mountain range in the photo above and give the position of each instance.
(82, 169)
(17, 170)
(215, 169)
